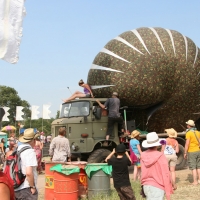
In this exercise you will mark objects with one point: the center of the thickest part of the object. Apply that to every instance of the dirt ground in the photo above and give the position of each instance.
(185, 191)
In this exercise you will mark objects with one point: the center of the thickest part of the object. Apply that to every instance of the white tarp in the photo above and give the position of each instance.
(12, 13)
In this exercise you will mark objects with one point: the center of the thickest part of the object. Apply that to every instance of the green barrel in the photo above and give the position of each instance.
(99, 181)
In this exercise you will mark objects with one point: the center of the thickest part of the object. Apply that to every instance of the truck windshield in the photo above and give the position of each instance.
(75, 109)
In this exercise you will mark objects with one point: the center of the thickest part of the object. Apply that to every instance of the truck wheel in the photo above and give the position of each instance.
(98, 156)
(181, 161)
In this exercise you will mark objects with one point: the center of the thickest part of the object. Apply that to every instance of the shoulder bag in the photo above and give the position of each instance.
(197, 139)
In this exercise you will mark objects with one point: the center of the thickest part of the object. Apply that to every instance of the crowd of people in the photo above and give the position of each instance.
(154, 163)
(154, 167)
(30, 164)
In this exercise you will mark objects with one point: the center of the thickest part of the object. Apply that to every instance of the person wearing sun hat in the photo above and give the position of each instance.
(135, 148)
(27, 190)
(192, 150)
(155, 177)
(170, 150)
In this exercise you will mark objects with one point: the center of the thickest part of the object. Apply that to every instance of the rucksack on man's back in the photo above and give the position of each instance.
(13, 168)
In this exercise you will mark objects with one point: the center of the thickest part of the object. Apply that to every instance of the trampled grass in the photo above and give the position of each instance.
(182, 193)
(114, 196)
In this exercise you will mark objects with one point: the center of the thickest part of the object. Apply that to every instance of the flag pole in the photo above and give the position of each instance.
(42, 124)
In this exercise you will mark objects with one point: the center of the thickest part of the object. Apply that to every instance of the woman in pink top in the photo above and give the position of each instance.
(155, 179)
(38, 150)
(87, 92)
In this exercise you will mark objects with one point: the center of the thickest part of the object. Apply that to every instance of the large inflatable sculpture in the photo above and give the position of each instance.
(156, 72)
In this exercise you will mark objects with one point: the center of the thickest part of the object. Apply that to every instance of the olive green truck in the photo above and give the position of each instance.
(86, 125)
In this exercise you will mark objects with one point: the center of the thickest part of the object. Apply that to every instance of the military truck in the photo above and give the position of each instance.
(86, 125)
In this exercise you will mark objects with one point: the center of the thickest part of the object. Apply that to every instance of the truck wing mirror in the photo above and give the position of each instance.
(97, 113)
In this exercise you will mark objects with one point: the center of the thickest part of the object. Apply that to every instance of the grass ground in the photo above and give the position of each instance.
(185, 191)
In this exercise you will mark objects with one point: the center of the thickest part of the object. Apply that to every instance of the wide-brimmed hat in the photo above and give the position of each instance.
(120, 148)
(171, 132)
(27, 136)
(152, 140)
(190, 122)
(135, 133)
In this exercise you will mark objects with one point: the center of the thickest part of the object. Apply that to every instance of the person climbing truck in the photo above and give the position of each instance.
(112, 104)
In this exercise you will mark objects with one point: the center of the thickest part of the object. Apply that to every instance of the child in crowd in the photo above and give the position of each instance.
(135, 147)
(120, 174)
(170, 150)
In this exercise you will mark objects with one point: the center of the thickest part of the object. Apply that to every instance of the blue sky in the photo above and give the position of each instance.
(61, 39)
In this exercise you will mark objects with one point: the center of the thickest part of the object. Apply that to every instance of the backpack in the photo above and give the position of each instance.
(13, 168)
(169, 148)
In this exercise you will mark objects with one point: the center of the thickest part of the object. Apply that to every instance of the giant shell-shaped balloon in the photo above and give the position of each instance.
(156, 72)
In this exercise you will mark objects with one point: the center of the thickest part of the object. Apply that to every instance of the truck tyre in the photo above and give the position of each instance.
(180, 161)
(98, 156)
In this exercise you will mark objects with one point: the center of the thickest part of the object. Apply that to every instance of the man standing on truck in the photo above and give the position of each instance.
(112, 105)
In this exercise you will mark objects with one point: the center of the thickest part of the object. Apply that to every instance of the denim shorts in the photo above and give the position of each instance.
(153, 193)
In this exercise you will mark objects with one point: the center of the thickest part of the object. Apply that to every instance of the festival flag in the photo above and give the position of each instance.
(19, 113)
(12, 13)
(34, 112)
(5, 117)
(46, 112)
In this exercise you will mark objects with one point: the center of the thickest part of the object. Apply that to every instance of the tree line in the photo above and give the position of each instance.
(9, 97)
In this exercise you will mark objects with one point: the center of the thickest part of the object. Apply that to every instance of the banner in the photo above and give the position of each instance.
(5, 117)
(34, 112)
(12, 13)
(46, 112)
(19, 113)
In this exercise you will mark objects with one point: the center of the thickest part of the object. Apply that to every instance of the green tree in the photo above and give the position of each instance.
(41, 125)
(57, 114)
(9, 97)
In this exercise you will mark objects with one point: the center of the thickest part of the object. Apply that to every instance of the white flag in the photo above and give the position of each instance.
(5, 117)
(12, 13)
(46, 112)
(19, 113)
(34, 112)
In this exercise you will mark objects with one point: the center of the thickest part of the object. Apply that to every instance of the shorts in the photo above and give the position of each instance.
(125, 193)
(194, 160)
(172, 160)
(87, 95)
(137, 163)
(153, 193)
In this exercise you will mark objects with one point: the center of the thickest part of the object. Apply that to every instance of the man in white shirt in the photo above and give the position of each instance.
(27, 190)
(60, 148)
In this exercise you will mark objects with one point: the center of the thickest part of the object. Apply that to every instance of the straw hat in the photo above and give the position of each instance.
(190, 122)
(152, 140)
(171, 132)
(135, 133)
(27, 136)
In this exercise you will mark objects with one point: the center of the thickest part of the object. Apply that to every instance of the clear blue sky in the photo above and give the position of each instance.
(61, 39)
